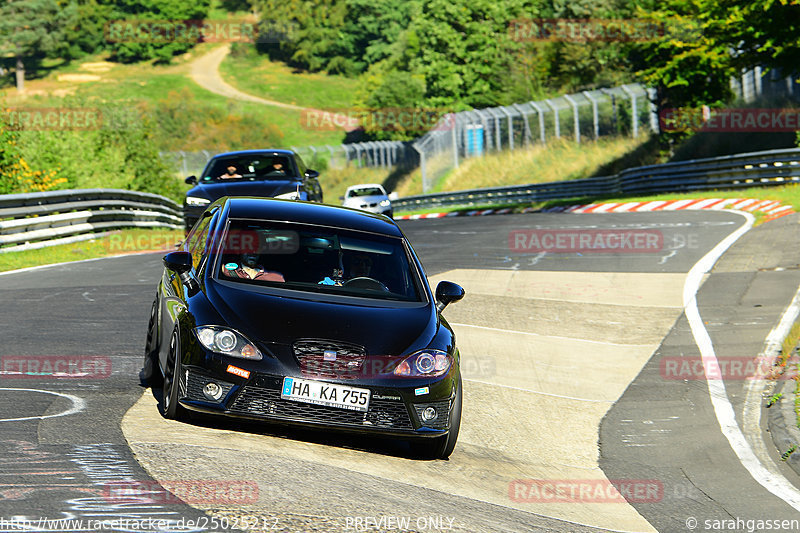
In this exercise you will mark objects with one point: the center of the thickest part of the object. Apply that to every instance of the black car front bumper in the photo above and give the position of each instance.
(260, 399)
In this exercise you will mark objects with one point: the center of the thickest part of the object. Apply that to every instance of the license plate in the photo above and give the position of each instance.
(328, 394)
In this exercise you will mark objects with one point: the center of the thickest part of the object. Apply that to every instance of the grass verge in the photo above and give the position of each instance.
(558, 161)
(116, 243)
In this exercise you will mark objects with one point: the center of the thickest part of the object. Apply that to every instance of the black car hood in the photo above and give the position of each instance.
(268, 318)
(244, 187)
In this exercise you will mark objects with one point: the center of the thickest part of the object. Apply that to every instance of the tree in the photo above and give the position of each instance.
(465, 49)
(31, 29)
(135, 43)
(706, 42)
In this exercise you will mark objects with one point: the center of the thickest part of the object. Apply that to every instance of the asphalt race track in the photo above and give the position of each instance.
(565, 358)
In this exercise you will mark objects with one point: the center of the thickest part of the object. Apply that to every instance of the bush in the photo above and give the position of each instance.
(120, 154)
(180, 122)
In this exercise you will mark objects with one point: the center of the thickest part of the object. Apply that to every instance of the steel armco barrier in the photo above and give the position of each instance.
(37, 220)
(757, 169)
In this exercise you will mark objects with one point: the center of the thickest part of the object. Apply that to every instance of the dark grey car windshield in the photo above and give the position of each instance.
(259, 167)
(318, 259)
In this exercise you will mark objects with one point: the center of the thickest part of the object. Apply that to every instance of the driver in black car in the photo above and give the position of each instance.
(360, 266)
(231, 173)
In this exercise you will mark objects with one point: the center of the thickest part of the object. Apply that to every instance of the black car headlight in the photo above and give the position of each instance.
(425, 363)
(196, 201)
(226, 341)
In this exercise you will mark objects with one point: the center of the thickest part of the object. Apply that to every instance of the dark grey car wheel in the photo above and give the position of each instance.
(151, 374)
(171, 408)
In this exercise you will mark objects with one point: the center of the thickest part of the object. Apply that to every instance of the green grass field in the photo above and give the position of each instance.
(129, 85)
(257, 75)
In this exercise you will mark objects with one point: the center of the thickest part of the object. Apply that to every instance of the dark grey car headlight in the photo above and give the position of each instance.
(227, 341)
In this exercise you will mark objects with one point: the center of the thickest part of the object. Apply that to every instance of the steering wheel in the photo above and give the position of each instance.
(364, 282)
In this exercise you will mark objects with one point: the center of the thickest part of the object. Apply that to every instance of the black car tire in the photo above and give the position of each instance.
(150, 373)
(170, 406)
(442, 447)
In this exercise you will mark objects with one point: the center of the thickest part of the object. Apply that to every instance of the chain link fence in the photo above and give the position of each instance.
(384, 154)
(624, 110)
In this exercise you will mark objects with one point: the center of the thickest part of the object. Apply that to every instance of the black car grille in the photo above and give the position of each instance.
(391, 414)
(348, 359)
(442, 420)
(195, 381)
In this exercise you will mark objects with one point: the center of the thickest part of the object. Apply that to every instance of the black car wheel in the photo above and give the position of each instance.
(150, 371)
(172, 376)
(442, 447)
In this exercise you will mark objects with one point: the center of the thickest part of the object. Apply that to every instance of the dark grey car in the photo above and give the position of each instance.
(266, 173)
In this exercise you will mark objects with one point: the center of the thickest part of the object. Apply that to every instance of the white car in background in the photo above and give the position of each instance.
(368, 197)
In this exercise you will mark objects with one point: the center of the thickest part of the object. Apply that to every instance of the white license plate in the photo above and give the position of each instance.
(329, 394)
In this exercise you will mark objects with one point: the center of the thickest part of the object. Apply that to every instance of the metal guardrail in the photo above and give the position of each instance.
(37, 220)
(756, 169)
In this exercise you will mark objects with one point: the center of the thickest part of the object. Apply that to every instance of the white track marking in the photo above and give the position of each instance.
(78, 405)
(726, 417)
(751, 413)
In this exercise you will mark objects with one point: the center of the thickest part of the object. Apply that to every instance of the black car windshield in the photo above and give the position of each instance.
(254, 167)
(366, 191)
(318, 259)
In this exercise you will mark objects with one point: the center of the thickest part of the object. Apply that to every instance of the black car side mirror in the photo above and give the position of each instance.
(311, 174)
(447, 292)
(191, 180)
(179, 261)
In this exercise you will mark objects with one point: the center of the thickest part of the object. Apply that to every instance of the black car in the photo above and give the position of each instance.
(271, 173)
(309, 314)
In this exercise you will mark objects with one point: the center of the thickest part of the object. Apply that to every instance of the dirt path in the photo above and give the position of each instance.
(205, 72)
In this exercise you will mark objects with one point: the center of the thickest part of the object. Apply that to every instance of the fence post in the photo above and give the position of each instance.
(346, 151)
(651, 97)
(634, 118)
(574, 105)
(555, 118)
(510, 128)
(540, 112)
(526, 130)
(422, 168)
(595, 113)
(454, 137)
(757, 81)
(185, 168)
